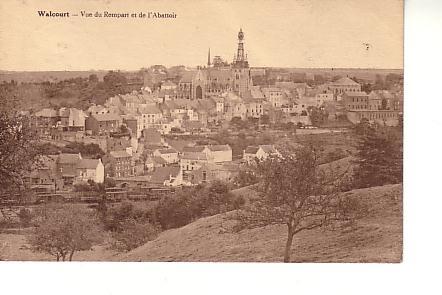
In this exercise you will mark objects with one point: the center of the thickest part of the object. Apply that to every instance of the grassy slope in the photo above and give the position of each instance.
(376, 238)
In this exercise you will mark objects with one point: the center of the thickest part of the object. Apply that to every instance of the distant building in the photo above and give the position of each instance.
(274, 95)
(343, 85)
(374, 108)
(67, 166)
(221, 153)
(209, 172)
(260, 152)
(103, 123)
(218, 77)
(170, 155)
(90, 170)
(168, 176)
(44, 120)
(119, 164)
(357, 101)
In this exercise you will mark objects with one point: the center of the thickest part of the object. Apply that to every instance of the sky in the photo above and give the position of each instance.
(284, 33)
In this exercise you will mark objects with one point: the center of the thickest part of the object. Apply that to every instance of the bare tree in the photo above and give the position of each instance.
(297, 192)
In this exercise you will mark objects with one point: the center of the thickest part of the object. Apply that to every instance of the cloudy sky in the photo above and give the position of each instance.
(304, 33)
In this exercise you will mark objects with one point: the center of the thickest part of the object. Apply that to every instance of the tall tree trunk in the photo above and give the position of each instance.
(71, 254)
(288, 245)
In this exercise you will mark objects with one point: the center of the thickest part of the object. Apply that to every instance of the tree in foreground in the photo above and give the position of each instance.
(379, 157)
(297, 192)
(62, 230)
(18, 150)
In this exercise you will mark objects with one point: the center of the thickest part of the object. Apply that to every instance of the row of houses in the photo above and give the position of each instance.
(59, 172)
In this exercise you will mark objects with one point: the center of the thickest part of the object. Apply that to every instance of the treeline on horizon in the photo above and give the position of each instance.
(84, 88)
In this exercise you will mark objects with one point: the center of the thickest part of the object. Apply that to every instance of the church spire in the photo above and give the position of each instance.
(208, 58)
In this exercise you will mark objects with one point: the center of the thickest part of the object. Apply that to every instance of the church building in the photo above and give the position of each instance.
(218, 77)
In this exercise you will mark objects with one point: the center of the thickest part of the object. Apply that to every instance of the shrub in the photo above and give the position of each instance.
(130, 227)
(63, 230)
(133, 234)
(187, 206)
(25, 217)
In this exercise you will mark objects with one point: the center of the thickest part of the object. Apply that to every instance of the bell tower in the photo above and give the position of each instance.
(240, 59)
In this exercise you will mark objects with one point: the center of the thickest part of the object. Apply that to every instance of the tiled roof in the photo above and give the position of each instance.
(251, 150)
(159, 160)
(220, 147)
(48, 113)
(344, 81)
(268, 148)
(194, 149)
(356, 93)
(150, 110)
(162, 174)
(106, 117)
(88, 164)
(119, 154)
(167, 151)
(68, 158)
(195, 156)
(188, 76)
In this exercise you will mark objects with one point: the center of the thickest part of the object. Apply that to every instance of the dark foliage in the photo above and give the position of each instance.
(88, 150)
(191, 204)
(379, 157)
(130, 227)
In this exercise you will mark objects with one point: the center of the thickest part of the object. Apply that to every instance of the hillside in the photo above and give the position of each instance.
(376, 238)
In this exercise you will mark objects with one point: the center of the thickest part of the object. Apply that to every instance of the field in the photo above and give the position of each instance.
(375, 238)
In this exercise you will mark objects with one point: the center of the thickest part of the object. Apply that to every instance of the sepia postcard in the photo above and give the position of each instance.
(201, 131)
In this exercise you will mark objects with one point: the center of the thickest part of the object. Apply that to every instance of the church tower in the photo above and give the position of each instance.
(240, 59)
(240, 68)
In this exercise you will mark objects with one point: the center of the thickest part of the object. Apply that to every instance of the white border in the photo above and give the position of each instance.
(417, 274)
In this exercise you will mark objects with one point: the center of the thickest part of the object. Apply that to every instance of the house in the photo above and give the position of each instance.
(343, 85)
(192, 161)
(150, 115)
(119, 164)
(134, 124)
(275, 96)
(103, 123)
(356, 101)
(97, 110)
(170, 155)
(118, 143)
(159, 162)
(67, 167)
(44, 120)
(221, 153)
(272, 94)
(168, 85)
(260, 152)
(90, 169)
(209, 172)
(152, 137)
(196, 150)
(45, 175)
(72, 119)
(168, 176)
